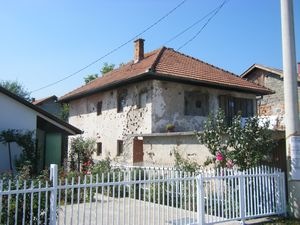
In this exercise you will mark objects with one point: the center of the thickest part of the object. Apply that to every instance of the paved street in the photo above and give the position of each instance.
(114, 211)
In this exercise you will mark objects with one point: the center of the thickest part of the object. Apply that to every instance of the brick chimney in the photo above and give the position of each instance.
(138, 50)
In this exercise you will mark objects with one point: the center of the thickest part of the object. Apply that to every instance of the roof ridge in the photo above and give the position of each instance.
(126, 64)
(153, 67)
(111, 73)
(199, 60)
(218, 68)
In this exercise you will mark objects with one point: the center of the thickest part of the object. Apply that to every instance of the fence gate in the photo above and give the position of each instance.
(227, 195)
(144, 196)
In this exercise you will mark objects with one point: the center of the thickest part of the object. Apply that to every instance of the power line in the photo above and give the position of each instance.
(207, 22)
(113, 50)
(191, 26)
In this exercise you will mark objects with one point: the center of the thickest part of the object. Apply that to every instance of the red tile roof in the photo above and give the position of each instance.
(166, 63)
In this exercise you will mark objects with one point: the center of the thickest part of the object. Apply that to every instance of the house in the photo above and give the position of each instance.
(270, 106)
(49, 104)
(51, 132)
(128, 109)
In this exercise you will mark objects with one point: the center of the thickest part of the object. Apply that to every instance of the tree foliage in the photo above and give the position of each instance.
(81, 152)
(90, 77)
(17, 88)
(64, 113)
(29, 156)
(242, 145)
(107, 68)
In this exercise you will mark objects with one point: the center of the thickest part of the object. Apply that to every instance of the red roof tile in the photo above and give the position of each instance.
(166, 62)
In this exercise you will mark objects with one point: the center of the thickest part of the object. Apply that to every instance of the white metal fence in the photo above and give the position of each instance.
(144, 196)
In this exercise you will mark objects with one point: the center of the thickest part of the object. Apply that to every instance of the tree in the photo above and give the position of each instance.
(90, 77)
(64, 113)
(24, 139)
(17, 88)
(7, 137)
(242, 145)
(107, 68)
(81, 152)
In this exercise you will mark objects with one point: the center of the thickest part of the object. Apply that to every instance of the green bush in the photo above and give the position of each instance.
(16, 208)
(243, 146)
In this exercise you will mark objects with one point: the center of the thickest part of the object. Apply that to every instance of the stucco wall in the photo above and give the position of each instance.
(168, 105)
(111, 126)
(13, 115)
(165, 104)
(159, 150)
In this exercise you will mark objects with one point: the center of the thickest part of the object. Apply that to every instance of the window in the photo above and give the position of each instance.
(99, 148)
(99, 108)
(232, 106)
(143, 99)
(195, 104)
(121, 101)
(119, 147)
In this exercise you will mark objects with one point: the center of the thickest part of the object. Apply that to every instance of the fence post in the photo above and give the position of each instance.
(242, 197)
(200, 200)
(53, 196)
(283, 193)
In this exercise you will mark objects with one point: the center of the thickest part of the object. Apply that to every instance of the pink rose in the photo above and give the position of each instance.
(229, 164)
(219, 156)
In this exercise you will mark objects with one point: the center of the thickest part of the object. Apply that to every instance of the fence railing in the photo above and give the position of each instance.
(144, 196)
(229, 195)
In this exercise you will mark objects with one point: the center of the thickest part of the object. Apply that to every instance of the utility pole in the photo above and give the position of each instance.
(292, 127)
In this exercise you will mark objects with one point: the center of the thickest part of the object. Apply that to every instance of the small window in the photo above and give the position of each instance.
(121, 101)
(99, 148)
(119, 147)
(99, 108)
(143, 99)
(195, 103)
(232, 106)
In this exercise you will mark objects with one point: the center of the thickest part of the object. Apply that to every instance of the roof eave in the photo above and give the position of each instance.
(213, 85)
(142, 76)
(74, 130)
(158, 76)
(257, 66)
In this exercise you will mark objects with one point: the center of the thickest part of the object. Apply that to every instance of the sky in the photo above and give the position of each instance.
(43, 41)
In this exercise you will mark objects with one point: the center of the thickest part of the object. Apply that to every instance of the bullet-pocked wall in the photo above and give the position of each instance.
(115, 117)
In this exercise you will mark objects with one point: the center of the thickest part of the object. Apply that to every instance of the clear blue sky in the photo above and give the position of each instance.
(43, 41)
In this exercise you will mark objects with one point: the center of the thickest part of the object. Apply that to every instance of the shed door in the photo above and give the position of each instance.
(53, 149)
(138, 154)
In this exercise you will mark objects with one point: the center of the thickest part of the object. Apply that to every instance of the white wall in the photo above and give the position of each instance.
(168, 105)
(13, 115)
(111, 126)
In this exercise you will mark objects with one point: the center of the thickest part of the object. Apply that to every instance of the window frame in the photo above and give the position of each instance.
(121, 97)
(99, 107)
(139, 99)
(99, 150)
(198, 96)
(120, 147)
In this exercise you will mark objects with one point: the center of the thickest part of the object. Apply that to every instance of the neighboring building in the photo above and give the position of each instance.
(127, 110)
(271, 106)
(51, 132)
(49, 104)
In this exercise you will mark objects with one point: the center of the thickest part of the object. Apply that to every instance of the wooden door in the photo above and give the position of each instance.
(138, 153)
